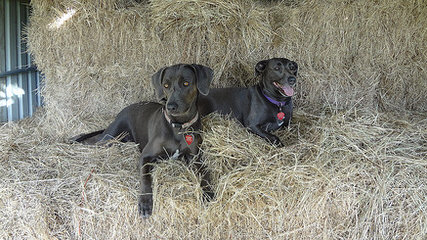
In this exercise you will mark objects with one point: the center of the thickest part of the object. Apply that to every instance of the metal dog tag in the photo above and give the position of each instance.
(280, 116)
(189, 138)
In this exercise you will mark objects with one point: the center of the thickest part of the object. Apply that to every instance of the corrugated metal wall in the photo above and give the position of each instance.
(19, 80)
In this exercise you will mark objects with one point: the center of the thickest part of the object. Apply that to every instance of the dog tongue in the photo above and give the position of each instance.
(288, 91)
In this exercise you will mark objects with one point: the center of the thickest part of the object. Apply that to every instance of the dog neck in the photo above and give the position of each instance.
(274, 101)
(181, 125)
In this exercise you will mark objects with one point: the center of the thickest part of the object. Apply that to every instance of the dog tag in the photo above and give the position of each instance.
(280, 115)
(175, 155)
(189, 139)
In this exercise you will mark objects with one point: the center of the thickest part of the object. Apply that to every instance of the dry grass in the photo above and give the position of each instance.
(361, 53)
(339, 177)
(354, 165)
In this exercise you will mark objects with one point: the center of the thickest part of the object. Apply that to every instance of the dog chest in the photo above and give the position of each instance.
(184, 144)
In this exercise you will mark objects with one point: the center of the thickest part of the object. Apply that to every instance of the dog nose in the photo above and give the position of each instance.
(292, 80)
(171, 106)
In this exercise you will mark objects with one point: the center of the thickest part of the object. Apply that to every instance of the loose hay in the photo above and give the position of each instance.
(340, 176)
(348, 170)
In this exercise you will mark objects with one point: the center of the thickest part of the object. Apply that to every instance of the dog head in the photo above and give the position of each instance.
(177, 86)
(278, 76)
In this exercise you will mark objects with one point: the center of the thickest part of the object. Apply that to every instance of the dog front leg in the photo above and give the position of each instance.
(208, 193)
(266, 135)
(145, 202)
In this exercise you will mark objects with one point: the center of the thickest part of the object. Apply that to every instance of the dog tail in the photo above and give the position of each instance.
(85, 136)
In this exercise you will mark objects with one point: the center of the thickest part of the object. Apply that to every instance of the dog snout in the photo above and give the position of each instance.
(292, 80)
(172, 106)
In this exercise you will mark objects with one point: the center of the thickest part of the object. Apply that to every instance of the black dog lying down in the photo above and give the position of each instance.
(163, 130)
(262, 108)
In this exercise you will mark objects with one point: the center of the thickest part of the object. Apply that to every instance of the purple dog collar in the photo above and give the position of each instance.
(279, 104)
(280, 115)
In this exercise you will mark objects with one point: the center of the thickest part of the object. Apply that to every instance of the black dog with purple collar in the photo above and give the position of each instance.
(262, 108)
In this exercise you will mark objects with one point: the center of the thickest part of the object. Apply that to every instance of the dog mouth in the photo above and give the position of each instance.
(178, 112)
(175, 113)
(286, 90)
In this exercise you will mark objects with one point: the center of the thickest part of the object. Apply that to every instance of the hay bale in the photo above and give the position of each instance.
(88, 64)
(357, 53)
(227, 35)
(348, 171)
(340, 176)
(352, 54)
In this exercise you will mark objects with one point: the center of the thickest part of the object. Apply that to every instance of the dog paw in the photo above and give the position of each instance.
(276, 141)
(145, 206)
(278, 144)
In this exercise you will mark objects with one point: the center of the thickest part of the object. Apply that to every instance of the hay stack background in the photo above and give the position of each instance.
(354, 165)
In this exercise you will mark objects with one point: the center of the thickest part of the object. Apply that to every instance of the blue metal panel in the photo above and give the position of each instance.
(19, 81)
(3, 108)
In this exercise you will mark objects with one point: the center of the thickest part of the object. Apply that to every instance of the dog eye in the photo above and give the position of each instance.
(186, 83)
(292, 67)
(276, 68)
(166, 85)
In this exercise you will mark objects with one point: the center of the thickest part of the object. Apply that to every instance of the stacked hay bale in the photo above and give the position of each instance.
(354, 163)
(364, 54)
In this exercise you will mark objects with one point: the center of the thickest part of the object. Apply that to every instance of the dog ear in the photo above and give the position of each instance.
(204, 77)
(156, 80)
(293, 66)
(260, 67)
